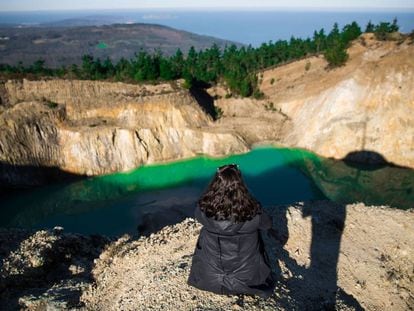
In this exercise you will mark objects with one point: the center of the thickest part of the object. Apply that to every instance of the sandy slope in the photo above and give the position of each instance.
(365, 105)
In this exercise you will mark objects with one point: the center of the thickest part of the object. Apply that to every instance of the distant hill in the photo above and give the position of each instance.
(66, 45)
(93, 20)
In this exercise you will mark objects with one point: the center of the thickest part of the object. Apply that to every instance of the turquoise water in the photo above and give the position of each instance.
(152, 196)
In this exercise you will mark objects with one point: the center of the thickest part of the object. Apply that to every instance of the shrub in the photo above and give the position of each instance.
(218, 112)
(270, 107)
(188, 84)
(382, 30)
(257, 94)
(336, 56)
(51, 104)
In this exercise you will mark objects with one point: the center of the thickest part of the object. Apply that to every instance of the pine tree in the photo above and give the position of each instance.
(335, 53)
(370, 27)
(350, 32)
(394, 26)
(177, 64)
(166, 71)
(87, 67)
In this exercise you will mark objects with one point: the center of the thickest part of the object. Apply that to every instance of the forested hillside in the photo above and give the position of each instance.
(236, 67)
(64, 45)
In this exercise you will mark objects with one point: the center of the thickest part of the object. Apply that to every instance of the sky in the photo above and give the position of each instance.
(33, 5)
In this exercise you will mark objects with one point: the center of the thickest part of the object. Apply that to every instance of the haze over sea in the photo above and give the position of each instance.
(248, 27)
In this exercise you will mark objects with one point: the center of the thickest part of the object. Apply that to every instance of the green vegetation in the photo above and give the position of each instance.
(51, 104)
(236, 67)
(270, 107)
(102, 45)
(218, 111)
(383, 29)
(337, 42)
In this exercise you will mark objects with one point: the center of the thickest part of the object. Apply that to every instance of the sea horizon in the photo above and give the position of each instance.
(238, 25)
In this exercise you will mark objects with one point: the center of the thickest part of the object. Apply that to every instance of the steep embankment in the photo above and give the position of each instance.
(316, 248)
(363, 111)
(366, 105)
(93, 128)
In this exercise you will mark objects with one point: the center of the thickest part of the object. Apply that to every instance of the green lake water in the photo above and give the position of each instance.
(153, 196)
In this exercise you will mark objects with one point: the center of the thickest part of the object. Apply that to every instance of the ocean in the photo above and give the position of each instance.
(248, 27)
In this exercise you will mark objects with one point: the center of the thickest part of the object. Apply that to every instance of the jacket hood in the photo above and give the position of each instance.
(227, 227)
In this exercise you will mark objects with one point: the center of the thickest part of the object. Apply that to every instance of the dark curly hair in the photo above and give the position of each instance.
(227, 197)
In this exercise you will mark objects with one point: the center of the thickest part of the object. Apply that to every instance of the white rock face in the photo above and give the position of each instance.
(94, 128)
(367, 105)
(364, 109)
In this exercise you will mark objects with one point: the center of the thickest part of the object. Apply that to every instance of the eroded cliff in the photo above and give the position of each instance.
(361, 111)
(366, 105)
(93, 128)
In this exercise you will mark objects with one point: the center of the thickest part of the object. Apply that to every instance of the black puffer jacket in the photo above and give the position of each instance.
(229, 257)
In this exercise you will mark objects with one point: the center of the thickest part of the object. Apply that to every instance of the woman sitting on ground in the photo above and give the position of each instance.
(229, 257)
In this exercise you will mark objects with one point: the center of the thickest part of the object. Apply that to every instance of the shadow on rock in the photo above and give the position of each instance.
(45, 269)
(312, 286)
(24, 176)
(371, 160)
(204, 99)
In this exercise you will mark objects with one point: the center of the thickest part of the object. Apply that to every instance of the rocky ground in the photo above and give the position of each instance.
(45, 269)
(323, 254)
